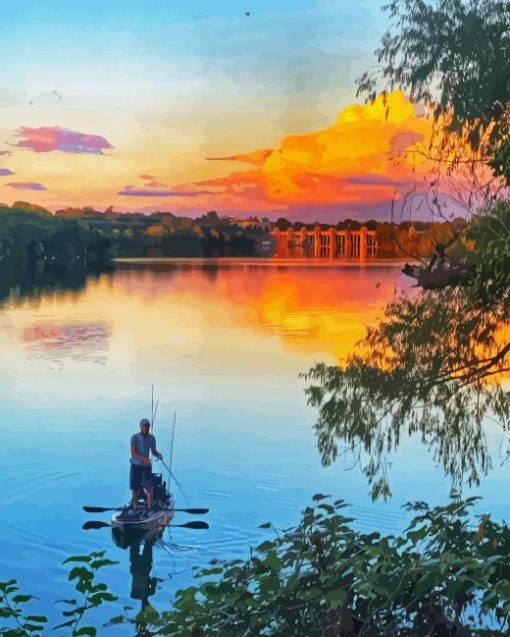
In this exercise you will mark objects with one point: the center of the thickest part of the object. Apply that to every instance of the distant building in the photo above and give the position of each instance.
(253, 223)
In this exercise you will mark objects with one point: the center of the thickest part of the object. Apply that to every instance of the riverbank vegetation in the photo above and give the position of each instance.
(446, 575)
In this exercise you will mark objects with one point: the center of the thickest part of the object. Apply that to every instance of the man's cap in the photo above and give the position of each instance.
(145, 421)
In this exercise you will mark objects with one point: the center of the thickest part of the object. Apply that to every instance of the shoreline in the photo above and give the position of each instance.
(259, 261)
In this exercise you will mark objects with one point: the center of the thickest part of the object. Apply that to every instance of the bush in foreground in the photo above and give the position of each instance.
(443, 576)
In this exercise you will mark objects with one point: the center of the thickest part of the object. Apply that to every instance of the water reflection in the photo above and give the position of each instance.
(436, 367)
(39, 278)
(225, 352)
(143, 583)
(81, 340)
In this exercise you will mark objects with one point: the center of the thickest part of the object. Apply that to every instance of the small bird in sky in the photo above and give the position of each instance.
(247, 13)
(378, 285)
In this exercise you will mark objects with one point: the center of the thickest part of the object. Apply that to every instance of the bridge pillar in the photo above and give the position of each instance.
(317, 242)
(347, 244)
(290, 242)
(363, 243)
(332, 243)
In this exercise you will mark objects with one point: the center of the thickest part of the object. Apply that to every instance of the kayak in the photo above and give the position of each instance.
(140, 518)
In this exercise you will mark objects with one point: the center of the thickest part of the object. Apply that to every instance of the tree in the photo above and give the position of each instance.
(283, 224)
(454, 56)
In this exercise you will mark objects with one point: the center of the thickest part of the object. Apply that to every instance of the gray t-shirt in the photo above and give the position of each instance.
(143, 445)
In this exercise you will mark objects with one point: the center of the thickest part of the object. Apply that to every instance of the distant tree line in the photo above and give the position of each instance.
(87, 238)
(163, 234)
(30, 233)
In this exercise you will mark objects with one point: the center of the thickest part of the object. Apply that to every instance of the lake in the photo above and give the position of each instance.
(224, 344)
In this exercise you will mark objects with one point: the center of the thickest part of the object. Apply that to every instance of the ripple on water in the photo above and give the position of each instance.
(24, 484)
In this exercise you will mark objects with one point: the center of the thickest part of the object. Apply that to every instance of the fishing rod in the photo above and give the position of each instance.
(172, 450)
(170, 472)
(154, 411)
(175, 479)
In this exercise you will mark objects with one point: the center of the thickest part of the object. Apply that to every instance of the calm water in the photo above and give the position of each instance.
(223, 345)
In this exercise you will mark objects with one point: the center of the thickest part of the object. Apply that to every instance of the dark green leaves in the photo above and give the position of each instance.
(14, 620)
(308, 581)
(455, 56)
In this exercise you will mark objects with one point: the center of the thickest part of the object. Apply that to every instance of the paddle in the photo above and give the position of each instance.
(90, 509)
(97, 524)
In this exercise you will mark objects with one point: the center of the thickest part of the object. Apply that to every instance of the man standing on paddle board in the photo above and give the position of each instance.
(140, 475)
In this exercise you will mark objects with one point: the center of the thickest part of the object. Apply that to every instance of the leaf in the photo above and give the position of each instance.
(85, 630)
(265, 546)
(78, 558)
(21, 599)
(37, 618)
(98, 598)
(79, 572)
(454, 587)
(327, 507)
(69, 622)
(427, 583)
(4, 585)
(32, 627)
(266, 525)
(97, 564)
(118, 619)
(336, 598)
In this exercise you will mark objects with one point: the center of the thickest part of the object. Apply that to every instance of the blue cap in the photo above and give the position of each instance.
(145, 421)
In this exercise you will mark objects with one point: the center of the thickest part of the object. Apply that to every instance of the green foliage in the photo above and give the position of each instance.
(453, 55)
(16, 619)
(488, 245)
(17, 622)
(93, 594)
(323, 578)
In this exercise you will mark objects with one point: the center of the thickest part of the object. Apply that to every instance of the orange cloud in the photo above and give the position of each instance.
(349, 165)
(257, 157)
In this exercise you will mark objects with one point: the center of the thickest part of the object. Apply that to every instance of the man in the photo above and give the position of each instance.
(140, 475)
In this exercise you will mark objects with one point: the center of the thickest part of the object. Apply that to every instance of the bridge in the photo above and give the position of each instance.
(325, 244)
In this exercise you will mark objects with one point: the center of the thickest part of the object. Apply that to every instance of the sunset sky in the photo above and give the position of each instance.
(192, 106)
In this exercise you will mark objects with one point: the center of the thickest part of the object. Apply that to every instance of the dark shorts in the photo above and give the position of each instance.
(140, 477)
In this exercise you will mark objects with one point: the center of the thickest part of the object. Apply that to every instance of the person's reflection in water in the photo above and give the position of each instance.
(143, 585)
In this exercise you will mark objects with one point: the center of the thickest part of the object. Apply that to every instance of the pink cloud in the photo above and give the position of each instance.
(26, 185)
(131, 191)
(46, 139)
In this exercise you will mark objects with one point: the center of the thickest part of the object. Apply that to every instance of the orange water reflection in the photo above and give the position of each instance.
(212, 313)
(311, 309)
